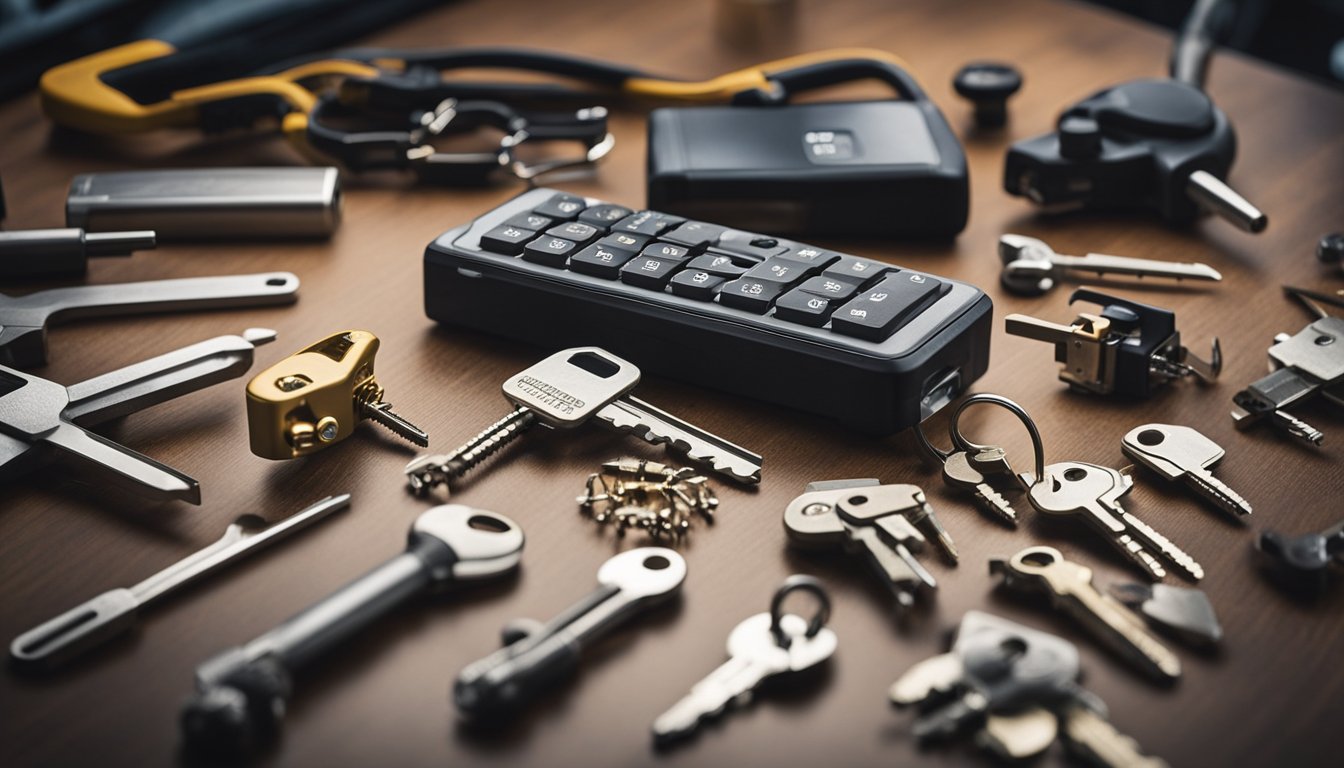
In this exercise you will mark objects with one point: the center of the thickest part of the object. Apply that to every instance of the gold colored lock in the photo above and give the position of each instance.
(316, 397)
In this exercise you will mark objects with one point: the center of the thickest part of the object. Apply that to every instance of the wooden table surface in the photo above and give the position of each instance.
(1274, 695)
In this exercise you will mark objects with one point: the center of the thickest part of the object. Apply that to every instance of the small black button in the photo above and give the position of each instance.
(695, 234)
(533, 221)
(778, 271)
(737, 241)
(551, 251)
(649, 272)
(857, 271)
(812, 257)
(624, 241)
(829, 287)
(575, 230)
(665, 251)
(646, 223)
(604, 215)
(804, 308)
(600, 261)
(717, 264)
(561, 207)
(506, 239)
(751, 295)
(879, 311)
(696, 284)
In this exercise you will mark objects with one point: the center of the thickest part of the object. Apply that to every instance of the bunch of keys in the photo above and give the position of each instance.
(763, 646)
(649, 496)
(317, 396)
(569, 388)
(1016, 690)
(983, 469)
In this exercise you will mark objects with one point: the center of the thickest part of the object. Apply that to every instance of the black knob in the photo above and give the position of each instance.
(1331, 248)
(1079, 138)
(988, 85)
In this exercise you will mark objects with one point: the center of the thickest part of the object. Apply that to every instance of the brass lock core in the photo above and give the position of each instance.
(317, 396)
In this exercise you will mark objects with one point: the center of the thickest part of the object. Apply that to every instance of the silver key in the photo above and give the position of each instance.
(1088, 733)
(1182, 453)
(628, 583)
(1031, 268)
(1093, 491)
(566, 390)
(756, 653)
(968, 470)
(1069, 587)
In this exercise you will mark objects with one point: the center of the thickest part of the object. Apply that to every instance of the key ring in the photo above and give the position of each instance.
(959, 440)
(795, 583)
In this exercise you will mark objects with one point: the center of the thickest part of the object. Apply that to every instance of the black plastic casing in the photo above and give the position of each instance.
(872, 387)
(889, 168)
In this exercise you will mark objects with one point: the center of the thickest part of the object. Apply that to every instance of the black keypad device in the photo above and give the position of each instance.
(869, 344)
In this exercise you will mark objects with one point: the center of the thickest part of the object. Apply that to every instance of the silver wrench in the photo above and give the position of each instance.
(1031, 268)
(24, 319)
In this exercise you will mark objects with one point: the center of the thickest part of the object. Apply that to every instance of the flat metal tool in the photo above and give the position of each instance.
(1031, 268)
(41, 420)
(24, 319)
(96, 621)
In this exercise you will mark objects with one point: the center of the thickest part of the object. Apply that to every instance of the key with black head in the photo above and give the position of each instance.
(536, 656)
(876, 520)
(24, 319)
(241, 693)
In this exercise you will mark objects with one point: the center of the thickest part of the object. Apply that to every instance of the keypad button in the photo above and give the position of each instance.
(533, 221)
(604, 215)
(695, 234)
(717, 264)
(646, 223)
(812, 257)
(751, 295)
(649, 272)
(625, 241)
(750, 244)
(882, 309)
(575, 230)
(696, 284)
(665, 251)
(507, 239)
(856, 270)
(829, 287)
(561, 207)
(600, 261)
(551, 251)
(778, 271)
(796, 306)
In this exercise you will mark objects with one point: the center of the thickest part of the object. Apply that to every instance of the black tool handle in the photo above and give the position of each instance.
(505, 679)
(88, 624)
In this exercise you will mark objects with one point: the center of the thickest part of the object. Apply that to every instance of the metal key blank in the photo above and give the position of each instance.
(242, 693)
(1181, 453)
(1032, 268)
(873, 519)
(566, 390)
(95, 621)
(1093, 492)
(24, 319)
(1069, 587)
(763, 646)
(532, 661)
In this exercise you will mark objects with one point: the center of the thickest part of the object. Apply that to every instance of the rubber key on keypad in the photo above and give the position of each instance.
(580, 233)
(696, 284)
(649, 272)
(600, 261)
(646, 223)
(879, 311)
(695, 234)
(804, 308)
(561, 207)
(829, 287)
(809, 256)
(533, 221)
(604, 215)
(551, 251)
(717, 264)
(506, 239)
(855, 270)
(625, 241)
(751, 295)
(779, 271)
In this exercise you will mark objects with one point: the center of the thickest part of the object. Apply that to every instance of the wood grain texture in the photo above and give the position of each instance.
(1273, 696)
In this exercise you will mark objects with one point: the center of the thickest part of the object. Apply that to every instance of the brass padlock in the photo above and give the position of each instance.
(316, 397)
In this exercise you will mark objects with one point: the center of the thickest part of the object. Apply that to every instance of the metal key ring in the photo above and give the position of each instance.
(796, 583)
(960, 442)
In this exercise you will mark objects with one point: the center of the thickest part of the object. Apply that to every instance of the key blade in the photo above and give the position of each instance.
(1089, 733)
(236, 542)
(634, 416)
(1101, 264)
(1217, 493)
(1112, 624)
(383, 414)
(1162, 544)
(731, 681)
(125, 468)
